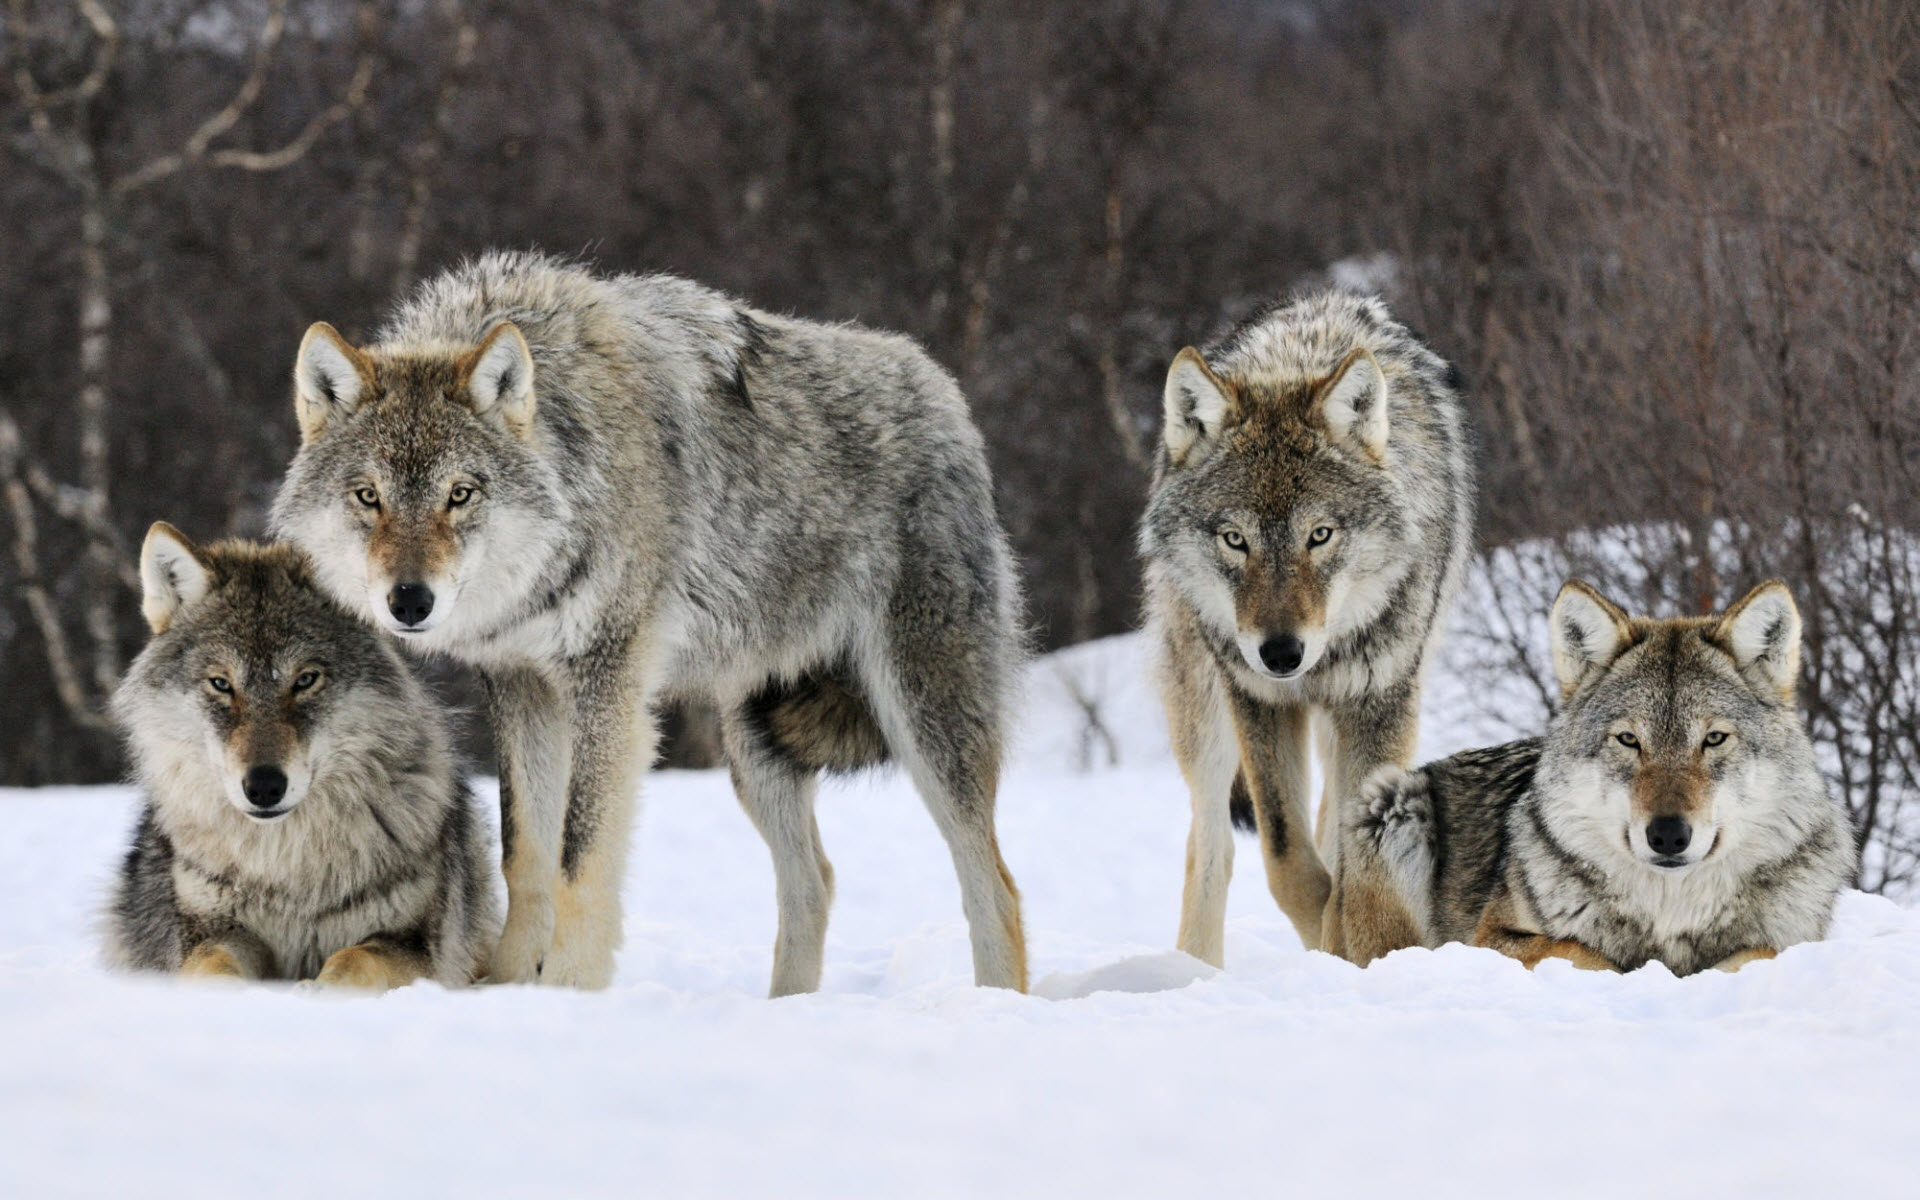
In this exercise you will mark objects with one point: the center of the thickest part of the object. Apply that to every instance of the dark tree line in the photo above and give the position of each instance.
(1673, 245)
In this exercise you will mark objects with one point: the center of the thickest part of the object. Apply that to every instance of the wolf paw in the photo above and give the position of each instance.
(563, 968)
(354, 967)
(523, 944)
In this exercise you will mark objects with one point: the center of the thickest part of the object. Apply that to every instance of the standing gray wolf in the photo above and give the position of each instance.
(605, 491)
(1309, 518)
(1673, 810)
(303, 816)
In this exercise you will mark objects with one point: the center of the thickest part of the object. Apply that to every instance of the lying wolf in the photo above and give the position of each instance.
(303, 816)
(605, 491)
(1306, 530)
(1672, 812)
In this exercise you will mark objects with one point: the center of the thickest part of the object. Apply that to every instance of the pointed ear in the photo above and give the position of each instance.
(329, 377)
(173, 574)
(1198, 402)
(1589, 632)
(1353, 401)
(1762, 632)
(498, 376)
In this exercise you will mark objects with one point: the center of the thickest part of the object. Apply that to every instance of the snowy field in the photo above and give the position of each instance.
(1133, 1071)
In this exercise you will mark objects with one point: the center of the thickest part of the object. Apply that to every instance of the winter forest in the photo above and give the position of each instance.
(1662, 241)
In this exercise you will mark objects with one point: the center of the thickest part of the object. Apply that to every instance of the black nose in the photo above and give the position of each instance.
(265, 786)
(1668, 835)
(410, 603)
(1282, 654)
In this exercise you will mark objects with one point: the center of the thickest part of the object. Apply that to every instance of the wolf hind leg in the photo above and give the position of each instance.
(1209, 759)
(1391, 838)
(943, 724)
(777, 793)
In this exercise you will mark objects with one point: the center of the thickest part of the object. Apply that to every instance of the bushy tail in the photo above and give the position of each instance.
(1240, 806)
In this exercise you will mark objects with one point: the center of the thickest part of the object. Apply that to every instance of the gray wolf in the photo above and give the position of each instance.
(1673, 812)
(303, 818)
(1309, 518)
(605, 491)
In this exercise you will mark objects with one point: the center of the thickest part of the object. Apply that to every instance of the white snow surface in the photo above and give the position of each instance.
(1131, 1071)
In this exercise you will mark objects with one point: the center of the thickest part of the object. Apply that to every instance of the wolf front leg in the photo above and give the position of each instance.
(1365, 917)
(1273, 755)
(230, 955)
(1209, 756)
(1733, 962)
(377, 964)
(613, 741)
(531, 716)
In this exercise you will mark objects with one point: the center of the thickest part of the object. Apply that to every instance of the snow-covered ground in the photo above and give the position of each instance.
(1131, 1072)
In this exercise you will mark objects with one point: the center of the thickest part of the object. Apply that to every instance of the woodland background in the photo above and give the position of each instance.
(1674, 245)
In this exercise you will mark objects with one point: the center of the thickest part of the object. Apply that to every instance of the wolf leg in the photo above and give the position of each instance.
(942, 723)
(1209, 758)
(1273, 753)
(376, 964)
(614, 737)
(229, 956)
(1367, 917)
(530, 718)
(1733, 962)
(777, 793)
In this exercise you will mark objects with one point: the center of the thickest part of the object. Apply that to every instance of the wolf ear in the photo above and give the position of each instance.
(173, 574)
(1762, 632)
(1353, 400)
(1589, 631)
(329, 377)
(1198, 403)
(498, 376)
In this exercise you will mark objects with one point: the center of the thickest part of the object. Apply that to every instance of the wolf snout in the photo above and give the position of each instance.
(1282, 654)
(1669, 836)
(265, 787)
(410, 603)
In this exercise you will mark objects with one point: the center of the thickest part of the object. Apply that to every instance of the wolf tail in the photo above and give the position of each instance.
(1240, 806)
(823, 723)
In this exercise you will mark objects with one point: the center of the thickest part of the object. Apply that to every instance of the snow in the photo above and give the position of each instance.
(1131, 1071)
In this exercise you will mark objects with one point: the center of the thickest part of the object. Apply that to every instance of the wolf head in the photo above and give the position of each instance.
(1275, 509)
(418, 487)
(1677, 738)
(245, 686)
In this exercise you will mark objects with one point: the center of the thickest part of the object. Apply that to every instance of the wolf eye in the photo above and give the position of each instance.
(460, 494)
(220, 684)
(1716, 738)
(305, 680)
(1234, 540)
(1320, 536)
(367, 496)
(1628, 740)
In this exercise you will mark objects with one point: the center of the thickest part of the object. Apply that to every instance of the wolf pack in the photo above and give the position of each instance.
(605, 493)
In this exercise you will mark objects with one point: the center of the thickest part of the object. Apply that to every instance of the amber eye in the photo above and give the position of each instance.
(1628, 740)
(1234, 540)
(306, 680)
(219, 684)
(1320, 536)
(367, 497)
(460, 494)
(1716, 738)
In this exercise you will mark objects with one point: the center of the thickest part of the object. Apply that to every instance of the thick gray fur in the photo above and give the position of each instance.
(791, 520)
(383, 846)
